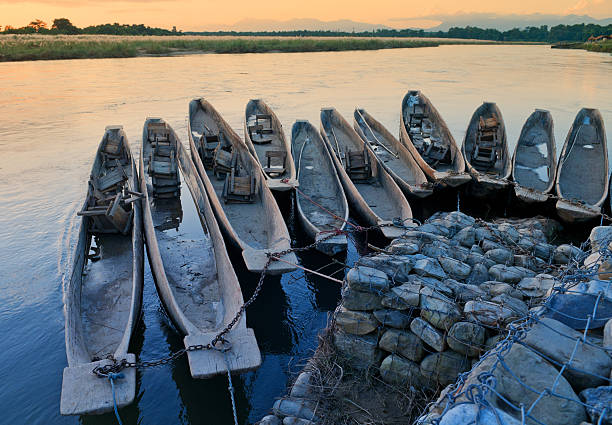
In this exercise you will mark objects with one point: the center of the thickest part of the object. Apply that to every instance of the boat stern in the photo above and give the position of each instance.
(455, 179)
(331, 245)
(242, 354)
(572, 212)
(84, 393)
(279, 185)
(530, 196)
(256, 259)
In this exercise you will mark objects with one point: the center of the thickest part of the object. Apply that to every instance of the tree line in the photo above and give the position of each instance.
(557, 33)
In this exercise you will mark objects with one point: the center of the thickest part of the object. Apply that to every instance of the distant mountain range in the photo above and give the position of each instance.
(439, 22)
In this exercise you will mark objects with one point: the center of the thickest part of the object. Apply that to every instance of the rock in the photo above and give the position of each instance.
(396, 370)
(536, 373)
(444, 368)
(465, 237)
(526, 261)
(435, 250)
(598, 399)
(402, 342)
(488, 245)
(574, 309)
(509, 274)
(429, 268)
(526, 243)
(292, 420)
(460, 219)
(423, 237)
(494, 288)
(459, 253)
(357, 300)
(465, 292)
(402, 297)
(600, 237)
(434, 229)
(396, 267)
(603, 287)
(406, 248)
(479, 274)
(544, 251)
(301, 386)
(356, 322)
(269, 420)
(607, 335)
(508, 233)
(296, 408)
(537, 286)
(464, 414)
(476, 249)
(466, 338)
(393, 318)
(454, 268)
(491, 342)
(430, 335)
(433, 286)
(557, 342)
(500, 255)
(439, 311)
(488, 313)
(564, 253)
(514, 304)
(360, 351)
(482, 234)
(367, 279)
(475, 258)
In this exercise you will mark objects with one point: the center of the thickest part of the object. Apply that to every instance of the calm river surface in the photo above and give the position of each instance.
(53, 114)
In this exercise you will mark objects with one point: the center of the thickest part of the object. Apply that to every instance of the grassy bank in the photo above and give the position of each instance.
(602, 47)
(38, 47)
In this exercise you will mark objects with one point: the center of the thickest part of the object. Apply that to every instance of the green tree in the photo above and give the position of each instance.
(64, 26)
(37, 25)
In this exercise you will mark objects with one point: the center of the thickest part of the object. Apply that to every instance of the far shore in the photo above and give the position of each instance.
(14, 48)
(601, 46)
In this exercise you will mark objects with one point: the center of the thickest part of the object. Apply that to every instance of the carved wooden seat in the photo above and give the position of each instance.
(358, 165)
(275, 168)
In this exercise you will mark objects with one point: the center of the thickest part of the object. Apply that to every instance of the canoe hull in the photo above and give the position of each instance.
(530, 196)
(571, 212)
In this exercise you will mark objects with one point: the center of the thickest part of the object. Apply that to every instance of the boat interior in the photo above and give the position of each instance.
(185, 247)
(233, 175)
(267, 137)
(534, 158)
(399, 162)
(317, 177)
(485, 141)
(583, 166)
(106, 287)
(426, 134)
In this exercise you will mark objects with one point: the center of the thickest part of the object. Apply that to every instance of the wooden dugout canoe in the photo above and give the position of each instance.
(485, 148)
(103, 296)
(265, 138)
(194, 276)
(253, 223)
(582, 172)
(320, 194)
(371, 191)
(534, 163)
(427, 137)
(393, 155)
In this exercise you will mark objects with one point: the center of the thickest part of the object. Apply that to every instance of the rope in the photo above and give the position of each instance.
(230, 386)
(112, 377)
(306, 270)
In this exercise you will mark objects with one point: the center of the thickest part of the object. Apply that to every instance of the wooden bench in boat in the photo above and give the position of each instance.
(239, 188)
(358, 165)
(163, 167)
(222, 160)
(487, 149)
(207, 146)
(260, 128)
(275, 169)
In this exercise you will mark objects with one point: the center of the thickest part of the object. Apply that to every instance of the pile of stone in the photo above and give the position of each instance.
(442, 294)
(439, 298)
(556, 366)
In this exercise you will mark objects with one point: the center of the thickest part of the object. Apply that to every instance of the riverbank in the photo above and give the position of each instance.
(601, 47)
(437, 303)
(14, 48)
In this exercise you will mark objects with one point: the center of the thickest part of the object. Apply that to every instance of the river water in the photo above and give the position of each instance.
(53, 114)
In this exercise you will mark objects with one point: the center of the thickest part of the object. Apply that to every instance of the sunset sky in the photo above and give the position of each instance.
(206, 14)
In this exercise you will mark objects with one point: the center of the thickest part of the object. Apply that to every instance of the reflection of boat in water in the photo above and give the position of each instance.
(194, 276)
(534, 163)
(582, 172)
(104, 294)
